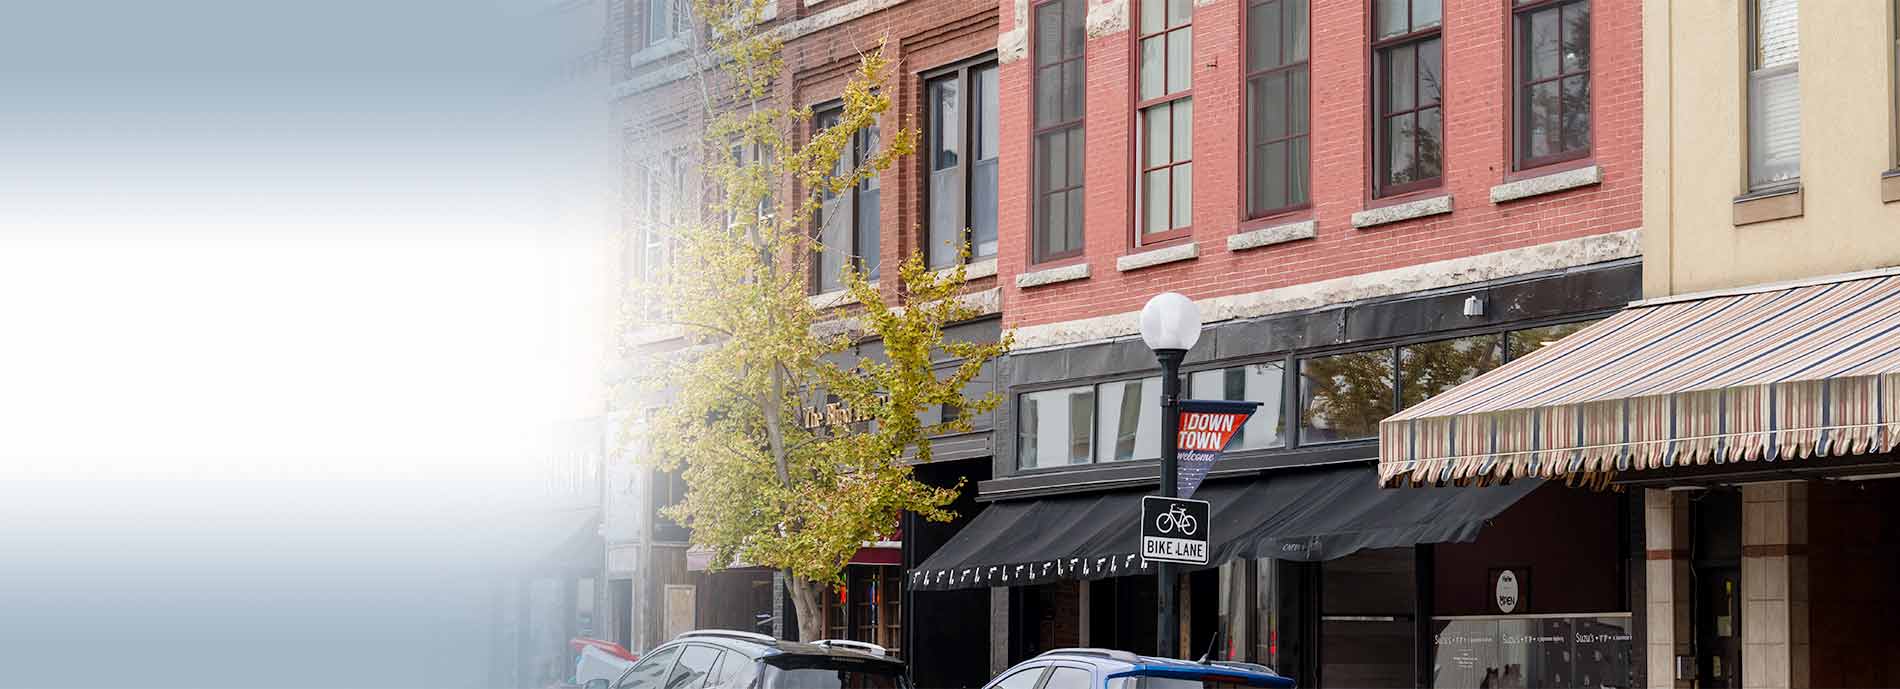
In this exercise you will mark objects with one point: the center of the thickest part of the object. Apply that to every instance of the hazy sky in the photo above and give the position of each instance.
(273, 239)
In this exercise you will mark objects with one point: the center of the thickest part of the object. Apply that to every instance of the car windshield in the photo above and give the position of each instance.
(834, 677)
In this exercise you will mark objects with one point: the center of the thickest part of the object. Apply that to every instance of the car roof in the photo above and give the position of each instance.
(1124, 664)
(759, 646)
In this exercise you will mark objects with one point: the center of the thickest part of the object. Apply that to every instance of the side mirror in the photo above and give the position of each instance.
(595, 683)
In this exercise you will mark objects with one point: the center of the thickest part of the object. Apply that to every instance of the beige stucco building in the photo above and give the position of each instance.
(1709, 224)
(1701, 229)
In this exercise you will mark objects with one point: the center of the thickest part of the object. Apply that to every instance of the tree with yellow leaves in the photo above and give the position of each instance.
(763, 486)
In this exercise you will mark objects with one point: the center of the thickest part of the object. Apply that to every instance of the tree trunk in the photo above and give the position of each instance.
(807, 604)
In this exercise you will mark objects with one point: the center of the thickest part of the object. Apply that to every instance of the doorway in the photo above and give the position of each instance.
(1716, 521)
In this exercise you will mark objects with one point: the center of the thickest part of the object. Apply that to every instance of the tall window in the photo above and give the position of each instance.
(1277, 106)
(1553, 81)
(1059, 101)
(1166, 117)
(847, 222)
(1409, 127)
(963, 152)
(1774, 95)
(663, 198)
(662, 20)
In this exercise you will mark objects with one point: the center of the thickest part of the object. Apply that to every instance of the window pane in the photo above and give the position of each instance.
(1344, 397)
(651, 671)
(1430, 86)
(1254, 383)
(1774, 127)
(1576, 113)
(1069, 678)
(1296, 93)
(1048, 95)
(1433, 367)
(1576, 36)
(834, 237)
(1154, 200)
(1294, 25)
(1430, 137)
(1777, 38)
(1426, 13)
(1273, 177)
(1183, 130)
(1129, 419)
(946, 121)
(1398, 77)
(1399, 147)
(1155, 130)
(1073, 88)
(695, 663)
(1076, 156)
(1541, 127)
(983, 209)
(1263, 36)
(1180, 59)
(1075, 220)
(1053, 151)
(983, 130)
(1391, 17)
(1180, 12)
(1271, 94)
(1183, 194)
(946, 233)
(1297, 171)
(1540, 44)
(1522, 342)
(1074, 13)
(1049, 33)
(1052, 425)
(1154, 15)
(1153, 66)
(867, 233)
(1055, 223)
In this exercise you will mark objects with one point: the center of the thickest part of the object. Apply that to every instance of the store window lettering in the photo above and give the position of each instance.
(1532, 652)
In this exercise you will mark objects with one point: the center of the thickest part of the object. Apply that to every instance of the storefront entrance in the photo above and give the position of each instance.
(1716, 587)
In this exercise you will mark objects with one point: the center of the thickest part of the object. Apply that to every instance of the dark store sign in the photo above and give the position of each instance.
(1510, 591)
(1206, 428)
(1542, 652)
(1174, 530)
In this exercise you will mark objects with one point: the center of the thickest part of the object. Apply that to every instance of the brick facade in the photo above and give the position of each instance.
(1477, 125)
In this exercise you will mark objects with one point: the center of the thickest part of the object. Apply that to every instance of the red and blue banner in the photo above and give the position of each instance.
(1206, 428)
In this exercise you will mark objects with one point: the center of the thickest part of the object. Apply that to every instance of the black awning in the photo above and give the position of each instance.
(1319, 514)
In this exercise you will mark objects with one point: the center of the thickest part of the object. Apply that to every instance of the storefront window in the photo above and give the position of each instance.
(1234, 607)
(1255, 383)
(1522, 342)
(1429, 368)
(1532, 652)
(1130, 419)
(1054, 427)
(1343, 397)
(1281, 610)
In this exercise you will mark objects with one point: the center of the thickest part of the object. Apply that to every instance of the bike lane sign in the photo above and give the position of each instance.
(1174, 530)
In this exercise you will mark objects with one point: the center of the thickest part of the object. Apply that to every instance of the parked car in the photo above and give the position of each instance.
(720, 659)
(1097, 668)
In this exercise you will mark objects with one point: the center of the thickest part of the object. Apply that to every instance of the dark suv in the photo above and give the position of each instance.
(714, 659)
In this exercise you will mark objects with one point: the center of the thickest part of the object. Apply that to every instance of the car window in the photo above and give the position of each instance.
(834, 676)
(1064, 677)
(1021, 679)
(650, 671)
(696, 662)
(735, 671)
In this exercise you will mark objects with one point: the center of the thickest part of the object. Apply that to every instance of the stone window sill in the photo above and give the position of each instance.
(1764, 206)
(973, 270)
(833, 299)
(1050, 276)
(1547, 184)
(664, 49)
(1275, 234)
(1147, 259)
(1401, 212)
(1890, 186)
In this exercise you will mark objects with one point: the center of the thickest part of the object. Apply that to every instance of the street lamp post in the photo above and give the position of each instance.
(1170, 325)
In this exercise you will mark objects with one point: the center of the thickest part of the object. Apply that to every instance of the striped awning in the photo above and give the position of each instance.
(1762, 375)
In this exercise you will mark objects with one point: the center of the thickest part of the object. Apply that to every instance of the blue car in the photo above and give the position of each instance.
(1096, 668)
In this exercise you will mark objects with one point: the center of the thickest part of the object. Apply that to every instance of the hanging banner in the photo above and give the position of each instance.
(1206, 428)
